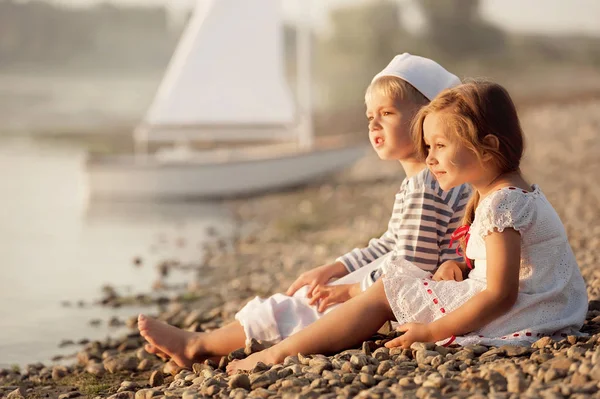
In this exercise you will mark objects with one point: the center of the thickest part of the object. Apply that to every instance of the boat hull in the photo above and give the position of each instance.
(125, 178)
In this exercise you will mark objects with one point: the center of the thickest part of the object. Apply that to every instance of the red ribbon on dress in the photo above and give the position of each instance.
(462, 231)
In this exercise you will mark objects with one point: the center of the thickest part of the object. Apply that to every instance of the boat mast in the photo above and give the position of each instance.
(303, 75)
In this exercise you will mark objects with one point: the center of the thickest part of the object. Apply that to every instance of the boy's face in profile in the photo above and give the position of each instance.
(389, 126)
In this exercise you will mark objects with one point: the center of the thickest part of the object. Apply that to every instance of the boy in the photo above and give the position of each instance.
(423, 219)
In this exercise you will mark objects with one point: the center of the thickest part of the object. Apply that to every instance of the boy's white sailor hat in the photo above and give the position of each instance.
(425, 75)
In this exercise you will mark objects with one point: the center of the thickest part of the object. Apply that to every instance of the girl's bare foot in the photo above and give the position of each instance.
(267, 356)
(184, 347)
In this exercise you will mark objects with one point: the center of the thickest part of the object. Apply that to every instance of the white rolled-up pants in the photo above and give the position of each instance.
(279, 316)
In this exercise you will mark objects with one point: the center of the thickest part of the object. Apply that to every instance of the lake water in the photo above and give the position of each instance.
(56, 247)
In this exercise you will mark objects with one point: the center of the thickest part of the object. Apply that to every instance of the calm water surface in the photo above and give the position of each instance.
(56, 247)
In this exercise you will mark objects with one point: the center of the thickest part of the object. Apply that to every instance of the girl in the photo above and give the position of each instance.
(423, 220)
(525, 281)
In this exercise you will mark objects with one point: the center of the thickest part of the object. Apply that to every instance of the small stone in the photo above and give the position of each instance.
(84, 357)
(131, 323)
(157, 378)
(516, 383)
(95, 368)
(260, 366)
(237, 354)
(515, 350)
(189, 394)
(366, 348)
(290, 360)
(542, 342)
(477, 349)
(144, 365)
(435, 380)
(129, 385)
(238, 393)
(367, 379)
(578, 379)
(59, 372)
(239, 381)
(262, 380)
(427, 346)
(69, 395)
(146, 394)
(142, 354)
(18, 393)
(576, 352)
(464, 355)
(303, 359)
(123, 395)
(368, 369)
(318, 365)
(171, 368)
(127, 345)
(198, 368)
(358, 361)
(384, 367)
(253, 346)
(223, 363)
(437, 361)
(347, 367)
(497, 380)
(407, 382)
(382, 354)
(113, 364)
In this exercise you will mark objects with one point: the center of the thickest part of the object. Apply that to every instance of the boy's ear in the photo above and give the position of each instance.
(490, 141)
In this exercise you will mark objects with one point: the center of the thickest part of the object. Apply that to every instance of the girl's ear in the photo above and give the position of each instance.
(490, 141)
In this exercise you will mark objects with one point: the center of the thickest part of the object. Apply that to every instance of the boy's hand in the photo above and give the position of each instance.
(317, 276)
(449, 270)
(328, 295)
(413, 332)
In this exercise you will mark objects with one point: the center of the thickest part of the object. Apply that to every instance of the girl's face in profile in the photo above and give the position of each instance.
(451, 162)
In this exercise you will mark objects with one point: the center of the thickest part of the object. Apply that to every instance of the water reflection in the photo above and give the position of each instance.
(55, 247)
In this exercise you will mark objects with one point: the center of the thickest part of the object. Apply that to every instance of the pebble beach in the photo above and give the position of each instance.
(283, 234)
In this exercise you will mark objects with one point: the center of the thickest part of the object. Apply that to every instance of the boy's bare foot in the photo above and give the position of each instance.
(184, 347)
(155, 351)
(267, 356)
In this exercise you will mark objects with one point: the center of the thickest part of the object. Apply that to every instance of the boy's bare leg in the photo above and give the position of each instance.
(350, 324)
(187, 348)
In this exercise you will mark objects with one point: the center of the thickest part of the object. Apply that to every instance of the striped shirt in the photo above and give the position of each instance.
(423, 219)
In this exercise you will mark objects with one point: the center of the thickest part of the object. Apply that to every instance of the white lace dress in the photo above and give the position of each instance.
(552, 296)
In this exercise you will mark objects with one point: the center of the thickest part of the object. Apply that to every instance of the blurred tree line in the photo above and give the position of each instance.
(39, 33)
(365, 37)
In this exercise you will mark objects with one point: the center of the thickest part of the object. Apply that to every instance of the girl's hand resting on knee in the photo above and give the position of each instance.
(413, 332)
(317, 276)
(328, 295)
(450, 270)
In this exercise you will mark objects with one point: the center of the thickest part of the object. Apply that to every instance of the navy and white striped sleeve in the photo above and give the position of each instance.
(376, 248)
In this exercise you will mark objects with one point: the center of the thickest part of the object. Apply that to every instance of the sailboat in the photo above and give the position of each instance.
(226, 82)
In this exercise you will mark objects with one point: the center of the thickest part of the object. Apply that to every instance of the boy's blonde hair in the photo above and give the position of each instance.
(396, 89)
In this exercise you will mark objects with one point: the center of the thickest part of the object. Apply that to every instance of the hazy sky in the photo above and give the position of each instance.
(574, 16)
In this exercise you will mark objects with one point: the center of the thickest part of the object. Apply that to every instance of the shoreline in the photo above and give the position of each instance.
(286, 233)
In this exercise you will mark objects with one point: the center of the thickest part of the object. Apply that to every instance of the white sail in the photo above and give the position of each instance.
(227, 74)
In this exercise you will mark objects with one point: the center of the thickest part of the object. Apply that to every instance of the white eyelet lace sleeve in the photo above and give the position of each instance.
(506, 208)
